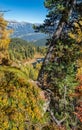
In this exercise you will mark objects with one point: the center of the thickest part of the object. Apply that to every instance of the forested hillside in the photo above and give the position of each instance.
(47, 94)
(20, 49)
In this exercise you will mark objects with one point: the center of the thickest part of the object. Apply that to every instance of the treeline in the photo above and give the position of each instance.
(20, 49)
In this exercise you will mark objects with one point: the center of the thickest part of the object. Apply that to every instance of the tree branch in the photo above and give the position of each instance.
(58, 122)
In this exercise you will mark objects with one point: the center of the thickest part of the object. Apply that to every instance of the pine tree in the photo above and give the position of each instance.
(58, 72)
(60, 15)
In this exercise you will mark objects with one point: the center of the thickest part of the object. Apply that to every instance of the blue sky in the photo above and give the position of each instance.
(24, 10)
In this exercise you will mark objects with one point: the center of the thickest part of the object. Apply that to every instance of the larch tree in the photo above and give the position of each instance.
(4, 40)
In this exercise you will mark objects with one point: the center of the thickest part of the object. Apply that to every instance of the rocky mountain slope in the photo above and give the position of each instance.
(25, 31)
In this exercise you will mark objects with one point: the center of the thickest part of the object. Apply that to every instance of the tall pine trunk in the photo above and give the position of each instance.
(56, 35)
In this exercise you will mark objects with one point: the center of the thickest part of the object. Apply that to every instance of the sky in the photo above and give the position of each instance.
(32, 11)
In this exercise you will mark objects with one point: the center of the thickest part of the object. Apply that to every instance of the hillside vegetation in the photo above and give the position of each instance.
(20, 100)
(20, 50)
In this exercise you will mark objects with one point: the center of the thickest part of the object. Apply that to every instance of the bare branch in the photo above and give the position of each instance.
(56, 120)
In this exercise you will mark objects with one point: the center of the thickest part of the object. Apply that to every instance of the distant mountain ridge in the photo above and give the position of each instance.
(25, 31)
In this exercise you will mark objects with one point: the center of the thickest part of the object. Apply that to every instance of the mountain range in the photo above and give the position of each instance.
(24, 30)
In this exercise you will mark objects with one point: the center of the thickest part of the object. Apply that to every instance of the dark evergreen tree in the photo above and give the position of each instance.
(57, 75)
(61, 15)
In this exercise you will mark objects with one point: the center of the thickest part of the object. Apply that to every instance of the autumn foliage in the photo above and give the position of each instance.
(79, 94)
(21, 101)
(4, 34)
(4, 40)
(77, 36)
